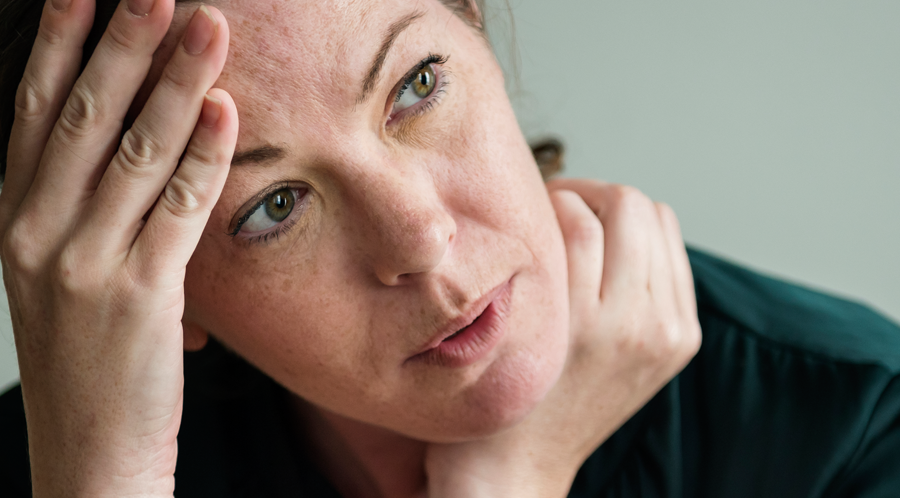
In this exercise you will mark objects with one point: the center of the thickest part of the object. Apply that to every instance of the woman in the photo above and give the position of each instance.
(377, 240)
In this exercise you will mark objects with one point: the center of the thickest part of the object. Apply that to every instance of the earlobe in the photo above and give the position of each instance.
(195, 337)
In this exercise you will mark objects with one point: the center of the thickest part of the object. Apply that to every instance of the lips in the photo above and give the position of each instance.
(471, 336)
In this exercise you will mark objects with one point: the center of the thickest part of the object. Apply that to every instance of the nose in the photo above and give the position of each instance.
(409, 227)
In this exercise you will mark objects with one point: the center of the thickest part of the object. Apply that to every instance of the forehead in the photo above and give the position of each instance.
(302, 59)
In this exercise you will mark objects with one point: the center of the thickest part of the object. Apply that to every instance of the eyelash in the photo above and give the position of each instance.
(435, 97)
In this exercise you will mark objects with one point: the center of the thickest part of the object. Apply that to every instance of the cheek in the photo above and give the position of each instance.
(280, 316)
(489, 165)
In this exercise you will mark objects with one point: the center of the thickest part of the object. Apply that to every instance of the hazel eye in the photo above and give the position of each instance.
(273, 210)
(421, 86)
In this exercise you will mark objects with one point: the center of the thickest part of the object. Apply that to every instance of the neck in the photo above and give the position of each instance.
(362, 460)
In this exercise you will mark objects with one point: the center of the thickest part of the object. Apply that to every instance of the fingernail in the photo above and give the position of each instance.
(140, 8)
(200, 31)
(211, 111)
(61, 5)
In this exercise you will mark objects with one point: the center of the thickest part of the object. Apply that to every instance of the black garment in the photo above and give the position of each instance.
(793, 394)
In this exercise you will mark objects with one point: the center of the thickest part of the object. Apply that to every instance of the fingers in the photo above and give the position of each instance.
(644, 247)
(661, 284)
(584, 239)
(49, 75)
(174, 227)
(89, 125)
(624, 213)
(150, 150)
(681, 266)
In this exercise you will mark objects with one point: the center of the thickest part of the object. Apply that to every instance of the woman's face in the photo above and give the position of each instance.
(357, 230)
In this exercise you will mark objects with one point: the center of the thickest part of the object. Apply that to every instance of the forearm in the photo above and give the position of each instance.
(74, 458)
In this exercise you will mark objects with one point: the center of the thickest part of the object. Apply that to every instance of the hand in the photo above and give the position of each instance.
(96, 235)
(633, 328)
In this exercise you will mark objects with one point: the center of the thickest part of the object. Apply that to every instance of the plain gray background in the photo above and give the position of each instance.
(772, 127)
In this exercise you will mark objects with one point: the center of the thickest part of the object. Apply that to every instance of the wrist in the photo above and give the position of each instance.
(95, 483)
(76, 451)
(91, 470)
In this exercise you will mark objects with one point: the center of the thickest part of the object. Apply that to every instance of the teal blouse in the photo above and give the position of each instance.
(793, 394)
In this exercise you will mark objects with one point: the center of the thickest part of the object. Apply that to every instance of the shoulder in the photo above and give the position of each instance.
(792, 316)
(783, 366)
(14, 467)
(793, 393)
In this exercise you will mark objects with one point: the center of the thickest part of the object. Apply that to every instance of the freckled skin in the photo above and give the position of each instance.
(405, 226)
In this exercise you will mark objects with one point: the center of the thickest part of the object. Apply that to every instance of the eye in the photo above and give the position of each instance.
(269, 213)
(421, 88)
(422, 85)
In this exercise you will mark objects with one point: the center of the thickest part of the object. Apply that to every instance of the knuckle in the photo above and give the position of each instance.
(68, 273)
(20, 249)
(180, 198)
(635, 207)
(586, 230)
(670, 337)
(664, 210)
(179, 77)
(667, 214)
(654, 335)
(677, 341)
(204, 154)
(630, 198)
(693, 339)
(140, 280)
(80, 114)
(137, 153)
(31, 103)
(77, 275)
(50, 32)
(559, 196)
(122, 39)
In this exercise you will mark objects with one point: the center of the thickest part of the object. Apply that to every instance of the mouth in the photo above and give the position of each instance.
(472, 335)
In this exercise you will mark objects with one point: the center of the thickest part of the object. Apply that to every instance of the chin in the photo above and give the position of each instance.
(506, 393)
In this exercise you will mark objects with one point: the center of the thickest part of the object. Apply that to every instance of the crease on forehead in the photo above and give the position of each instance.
(282, 68)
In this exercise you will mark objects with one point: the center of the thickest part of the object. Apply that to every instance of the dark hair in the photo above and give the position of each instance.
(19, 21)
(18, 29)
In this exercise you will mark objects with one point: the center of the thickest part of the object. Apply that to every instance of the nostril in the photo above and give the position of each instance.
(392, 278)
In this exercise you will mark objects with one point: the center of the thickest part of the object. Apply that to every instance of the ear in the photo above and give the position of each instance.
(473, 12)
(195, 337)
(467, 10)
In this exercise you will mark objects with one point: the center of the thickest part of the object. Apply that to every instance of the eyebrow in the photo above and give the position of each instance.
(269, 153)
(258, 155)
(393, 32)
